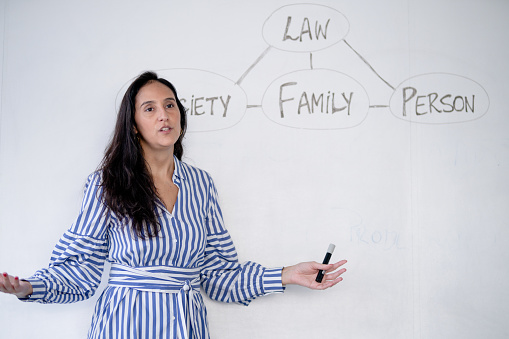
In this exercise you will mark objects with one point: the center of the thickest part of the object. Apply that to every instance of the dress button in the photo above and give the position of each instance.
(175, 241)
(173, 318)
(186, 288)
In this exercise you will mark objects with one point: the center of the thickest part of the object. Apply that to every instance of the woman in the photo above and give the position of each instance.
(157, 220)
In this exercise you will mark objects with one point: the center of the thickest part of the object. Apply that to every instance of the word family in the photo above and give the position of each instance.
(306, 102)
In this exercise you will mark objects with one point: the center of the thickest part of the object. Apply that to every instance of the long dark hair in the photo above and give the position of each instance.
(128, 187)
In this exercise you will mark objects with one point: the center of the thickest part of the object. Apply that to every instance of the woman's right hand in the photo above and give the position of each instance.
(12, 285)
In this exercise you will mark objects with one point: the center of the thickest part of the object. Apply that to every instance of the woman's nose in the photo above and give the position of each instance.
(163, 115)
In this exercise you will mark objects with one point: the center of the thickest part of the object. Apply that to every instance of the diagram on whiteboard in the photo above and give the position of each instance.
(316, 97)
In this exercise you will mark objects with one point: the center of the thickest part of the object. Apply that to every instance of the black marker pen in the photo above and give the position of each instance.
(328, 255)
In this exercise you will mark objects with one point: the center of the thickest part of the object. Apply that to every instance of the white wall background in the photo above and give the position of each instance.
(419, 210)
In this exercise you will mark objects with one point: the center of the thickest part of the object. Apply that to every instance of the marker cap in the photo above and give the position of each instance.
(331, 248)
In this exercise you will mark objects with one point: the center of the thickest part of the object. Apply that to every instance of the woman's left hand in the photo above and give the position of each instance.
(304, 274)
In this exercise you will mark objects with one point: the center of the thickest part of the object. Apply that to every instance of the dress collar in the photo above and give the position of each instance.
(178, 172)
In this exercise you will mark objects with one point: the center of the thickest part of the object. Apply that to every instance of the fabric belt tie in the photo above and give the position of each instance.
(185, 282)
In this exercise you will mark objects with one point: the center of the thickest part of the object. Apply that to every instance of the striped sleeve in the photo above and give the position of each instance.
(223, 278)
(77, 261)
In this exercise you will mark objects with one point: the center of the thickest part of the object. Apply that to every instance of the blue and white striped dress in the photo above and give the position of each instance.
(154, 284)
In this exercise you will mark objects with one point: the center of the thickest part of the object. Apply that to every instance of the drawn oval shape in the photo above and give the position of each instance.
(212, 101)
(305, 28)
(316, 99)
(439, 98)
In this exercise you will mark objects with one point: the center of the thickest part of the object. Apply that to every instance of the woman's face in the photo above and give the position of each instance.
(157, 117)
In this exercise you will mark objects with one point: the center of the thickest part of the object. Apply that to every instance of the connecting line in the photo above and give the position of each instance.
(367, 63)
(378, 106)
(311, 60)
(253, 65)
(253, 106)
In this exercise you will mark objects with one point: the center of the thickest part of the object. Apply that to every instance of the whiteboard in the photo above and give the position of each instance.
(378, 126)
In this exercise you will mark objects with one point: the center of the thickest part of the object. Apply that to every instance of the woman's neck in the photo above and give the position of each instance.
(160, 164)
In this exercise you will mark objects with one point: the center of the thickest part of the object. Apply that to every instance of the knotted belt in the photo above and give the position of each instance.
(185, 282)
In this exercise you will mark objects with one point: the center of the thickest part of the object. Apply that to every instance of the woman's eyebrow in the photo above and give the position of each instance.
(153, 101)
(147, 102)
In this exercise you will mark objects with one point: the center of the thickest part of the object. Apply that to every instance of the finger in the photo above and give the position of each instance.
(338, 264)
(332, 267)
(327, 284)
(331, 283)
(16, 284)
(2, 287)
(330, 280)
(7, 285)
(335, 274)
(342, 262)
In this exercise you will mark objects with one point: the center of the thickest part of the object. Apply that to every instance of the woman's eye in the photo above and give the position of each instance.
(170, 106)
(149, 109)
